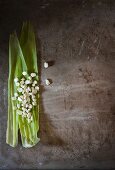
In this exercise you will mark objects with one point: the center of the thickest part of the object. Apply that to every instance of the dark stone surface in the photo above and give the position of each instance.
(77, 113)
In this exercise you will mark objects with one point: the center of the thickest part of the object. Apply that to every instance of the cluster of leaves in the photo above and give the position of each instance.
(22, 58)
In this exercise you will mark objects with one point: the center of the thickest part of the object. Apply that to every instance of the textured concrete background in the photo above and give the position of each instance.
(77, 113)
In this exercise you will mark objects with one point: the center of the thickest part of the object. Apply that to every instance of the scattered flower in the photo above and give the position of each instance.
(45, 65)
(47, 82)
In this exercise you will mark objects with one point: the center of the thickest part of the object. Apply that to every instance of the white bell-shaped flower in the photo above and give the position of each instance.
(24, 73)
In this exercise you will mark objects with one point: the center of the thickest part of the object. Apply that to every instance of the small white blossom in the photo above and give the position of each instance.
(29, 115)
(30, 106)
(16, 94)
(19, 99)
(34, 103)
(34, 91)
(24, 101)
(27, 111)
(24, 73)
(33, 74)
(21, 96)
(30, 78)
(30, 94)
(45, 65)
(17, 84)
(25, 114)
(34, 100)
(22, 86)
(33, 96)
(35, 82)
(22, 82)
(20, 89)
(31, 118)
(23, 108)
(23, 79)
(47, 82)
(18, 106)
(16, 80)
(37, 88)
(29, 89)
(27, 105)
(27, 82)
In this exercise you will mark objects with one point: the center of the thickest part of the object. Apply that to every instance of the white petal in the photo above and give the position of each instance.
(16, 94)
(35, 82)
(16, 80)
(33, 74)
(22, 86)
(30, 78)
(33, 96)
(19, 99)
(21, 96)
(47, 82)
(34, 91)
(18, 106)
(24, 113)
(29, 89)
(24, 101)
(23, 108)
(27, 82)
(34, 103)
(30, 94)
(27, 105)
(34, 100)
(23, 79)
(24, 73)
(29, 115)
(22, 82)
(45, 65)
(37, 88)
(30, 106)
(20, 89)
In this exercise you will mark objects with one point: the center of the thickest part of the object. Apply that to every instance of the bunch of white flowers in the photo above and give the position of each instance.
(26, 94)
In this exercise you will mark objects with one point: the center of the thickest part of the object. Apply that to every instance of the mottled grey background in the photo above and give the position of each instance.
(77, 112)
